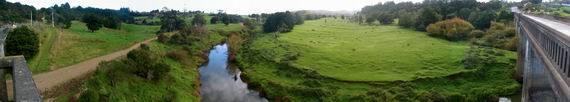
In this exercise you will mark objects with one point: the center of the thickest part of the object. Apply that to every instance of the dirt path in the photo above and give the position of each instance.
(52, 79)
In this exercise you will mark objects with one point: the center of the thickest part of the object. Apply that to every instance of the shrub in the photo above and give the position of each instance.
(476, 34)
(452, 29)
(22, 41)
(566, 9)
(498, 35)
(162, 38)
(179, 55)
(145, 64)
(512, 44)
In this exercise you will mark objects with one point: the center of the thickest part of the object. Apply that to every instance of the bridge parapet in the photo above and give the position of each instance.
(25, 89)
(544, 55)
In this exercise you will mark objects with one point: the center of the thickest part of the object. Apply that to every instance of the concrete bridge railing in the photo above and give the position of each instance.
(544, 59)
(25, 89)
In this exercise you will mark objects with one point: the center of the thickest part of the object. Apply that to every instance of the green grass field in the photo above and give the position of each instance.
(77, 44)
(371, 53)
(333, 60)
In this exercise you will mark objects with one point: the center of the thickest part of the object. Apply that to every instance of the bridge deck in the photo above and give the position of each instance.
(561, 27)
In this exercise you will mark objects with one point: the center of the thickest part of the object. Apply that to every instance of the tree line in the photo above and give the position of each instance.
(420, 15)
(484, 23)
(285, 21)
(62, 15)
(15, 12)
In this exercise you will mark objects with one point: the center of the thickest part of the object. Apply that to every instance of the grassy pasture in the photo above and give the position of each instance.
(333, 47)
(314, 63)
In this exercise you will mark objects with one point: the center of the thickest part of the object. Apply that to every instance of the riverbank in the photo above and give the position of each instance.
(181, 83)
(318, 61)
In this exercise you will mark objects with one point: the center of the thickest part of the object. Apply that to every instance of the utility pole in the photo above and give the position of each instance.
(32, 18)
(185, 8)
(52, 18)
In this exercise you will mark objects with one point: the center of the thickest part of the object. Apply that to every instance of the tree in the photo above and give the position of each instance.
(505, 15)
(407, 20)
(279, 22)
(482, 20)
(198, 20)
(22, 41)
(428, 15)
(299, 17)
(226, 19)
(214, 20)
(63, 22)
(536, 1)
(370, 20)
(452, 29)
(385, 18)
(359, 19)
(170, 22)
(92, 22)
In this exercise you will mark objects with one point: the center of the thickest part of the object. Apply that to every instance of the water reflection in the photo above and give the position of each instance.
(221, 81)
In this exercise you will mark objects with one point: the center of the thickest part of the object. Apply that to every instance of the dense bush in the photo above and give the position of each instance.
(452, 29)
(22, 41)
(146, 65)
(162, 38)
(512, 44)
(476, 34)
(566, 9)
(498, 35)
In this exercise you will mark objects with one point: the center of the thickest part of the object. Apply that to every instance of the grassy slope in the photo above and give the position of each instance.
(47, 36)
(78, 44)
(265, 70)
(372, 53)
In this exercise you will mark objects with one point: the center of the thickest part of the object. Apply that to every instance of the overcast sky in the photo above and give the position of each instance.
(229, 6)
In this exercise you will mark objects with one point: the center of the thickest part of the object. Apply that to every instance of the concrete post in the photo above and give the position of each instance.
(3, 88)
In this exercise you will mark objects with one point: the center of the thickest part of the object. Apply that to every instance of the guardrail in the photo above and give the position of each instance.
(550, 48)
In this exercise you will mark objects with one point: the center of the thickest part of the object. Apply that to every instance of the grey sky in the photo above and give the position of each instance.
(229, 6)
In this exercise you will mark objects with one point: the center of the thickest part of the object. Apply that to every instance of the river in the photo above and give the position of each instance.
(221, 81)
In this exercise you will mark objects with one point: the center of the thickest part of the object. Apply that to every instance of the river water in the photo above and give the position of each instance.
(221, 81)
